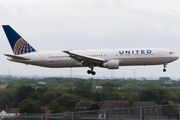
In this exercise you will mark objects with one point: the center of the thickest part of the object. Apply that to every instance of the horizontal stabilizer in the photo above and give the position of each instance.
(15, 57)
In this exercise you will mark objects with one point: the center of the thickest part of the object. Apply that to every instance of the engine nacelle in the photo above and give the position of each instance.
(112, 64)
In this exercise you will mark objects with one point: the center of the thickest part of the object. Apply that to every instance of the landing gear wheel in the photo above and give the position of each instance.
(93, 73)
(164, 70)
(89, 72)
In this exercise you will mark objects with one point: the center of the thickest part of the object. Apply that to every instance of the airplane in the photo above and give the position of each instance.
(105, 58)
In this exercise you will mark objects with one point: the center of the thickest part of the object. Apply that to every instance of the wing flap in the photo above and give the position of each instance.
(15, 57)
(85, 58)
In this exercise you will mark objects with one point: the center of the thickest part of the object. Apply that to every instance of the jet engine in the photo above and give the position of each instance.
(112, 64)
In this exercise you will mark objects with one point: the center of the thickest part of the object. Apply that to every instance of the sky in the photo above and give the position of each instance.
(92, 24)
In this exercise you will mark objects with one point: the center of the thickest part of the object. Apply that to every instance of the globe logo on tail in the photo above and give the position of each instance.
(22, 47)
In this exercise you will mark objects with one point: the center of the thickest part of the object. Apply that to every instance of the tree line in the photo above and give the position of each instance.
(62, 94)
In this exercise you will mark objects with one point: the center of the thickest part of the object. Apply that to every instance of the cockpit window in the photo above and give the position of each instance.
(171, 52)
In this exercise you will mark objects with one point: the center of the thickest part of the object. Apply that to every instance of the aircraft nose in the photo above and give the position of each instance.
(176, 57)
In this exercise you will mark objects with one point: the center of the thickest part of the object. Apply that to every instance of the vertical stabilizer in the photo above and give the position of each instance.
(18, 44)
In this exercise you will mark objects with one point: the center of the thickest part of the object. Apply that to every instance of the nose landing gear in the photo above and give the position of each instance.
(165, 65)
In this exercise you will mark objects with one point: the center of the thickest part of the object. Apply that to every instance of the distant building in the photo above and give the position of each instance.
(143, 103)
(115, 104)
(89, 106)
(85, 105)
(173, 109)
(11, 111)
(168, 82)
(43, 83)
(3, 114)
(100, 87)
(150, 108)
(115, 107)
(45, 108)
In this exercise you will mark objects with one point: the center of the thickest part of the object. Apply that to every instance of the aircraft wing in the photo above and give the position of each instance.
(15, 57)
(84, 59)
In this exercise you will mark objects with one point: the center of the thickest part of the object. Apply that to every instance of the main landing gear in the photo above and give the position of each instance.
(91, 71)
(165, 65)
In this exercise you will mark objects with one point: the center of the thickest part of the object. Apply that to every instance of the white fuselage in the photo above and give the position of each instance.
(126, 57)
